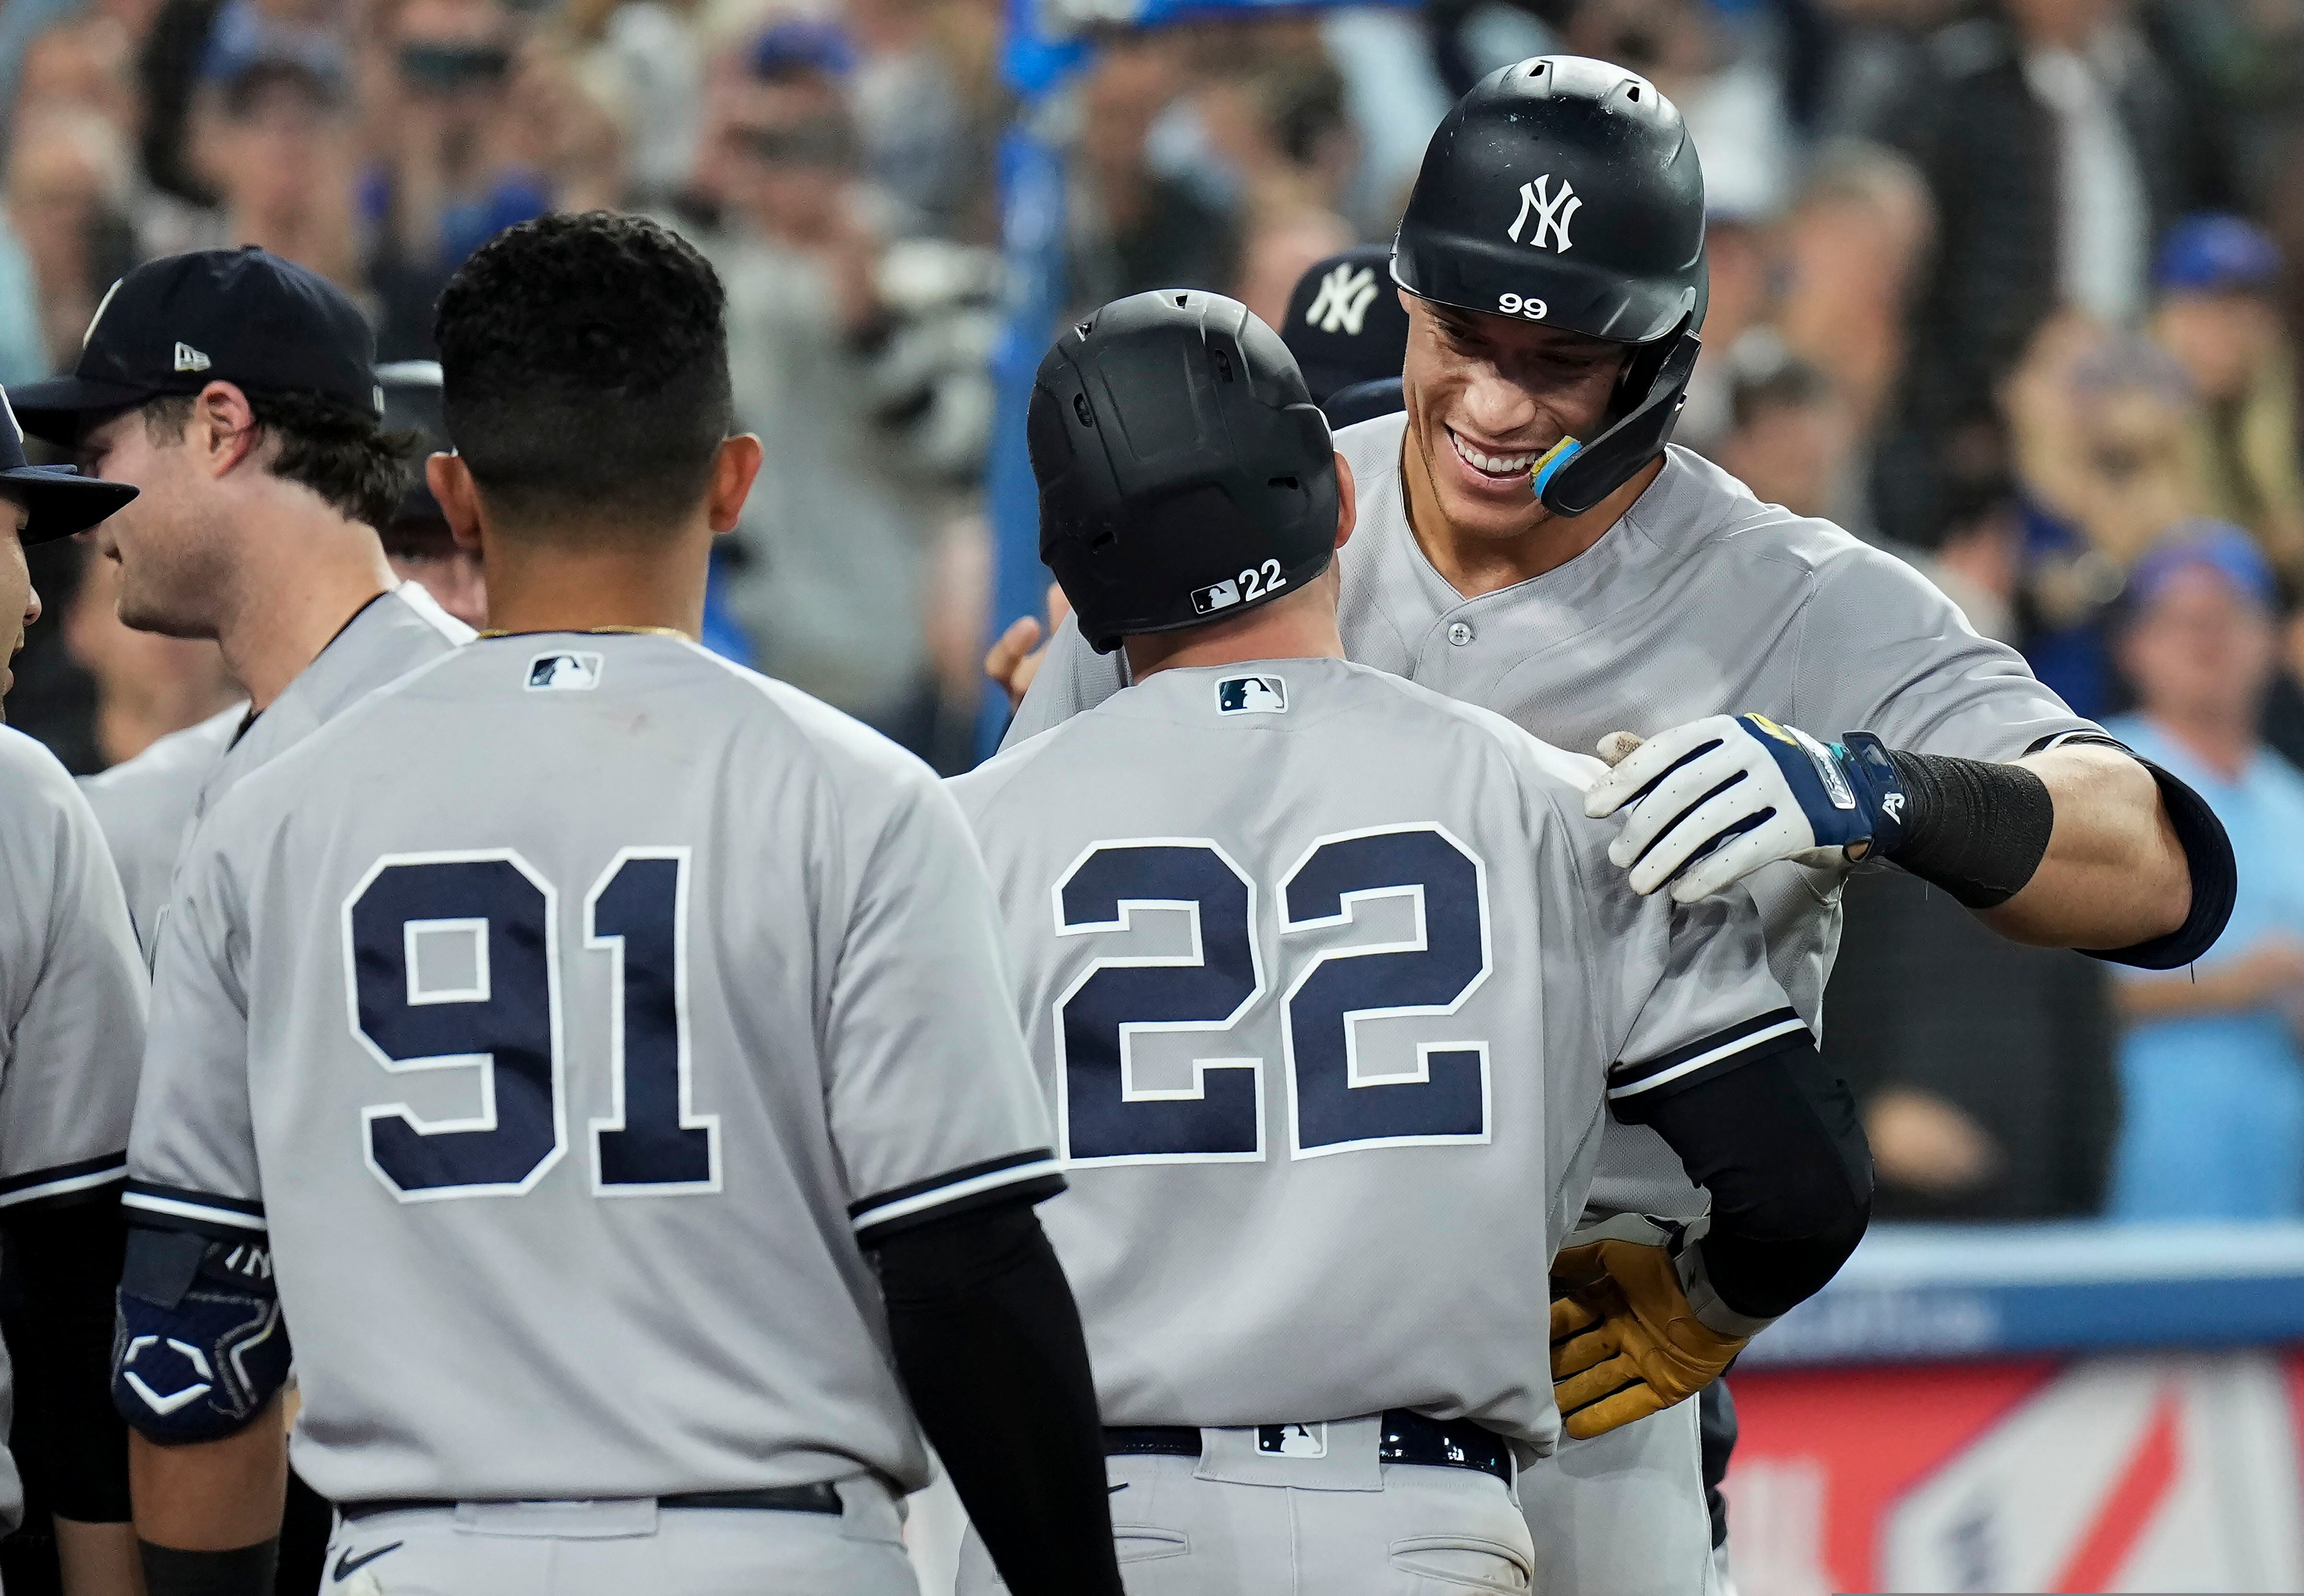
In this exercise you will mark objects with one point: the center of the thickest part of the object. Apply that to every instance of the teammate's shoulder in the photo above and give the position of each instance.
(1372, 447)
(1714, 516)
(845, 750)
(1482, 731)
(183, 755)
(32, 774)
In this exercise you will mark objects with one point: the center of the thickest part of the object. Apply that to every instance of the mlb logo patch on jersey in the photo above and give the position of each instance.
(1292, 1440)
(1207, 601)
(564, 672)
(1251, 695)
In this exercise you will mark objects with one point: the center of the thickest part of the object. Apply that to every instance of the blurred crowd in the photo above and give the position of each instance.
(2006, 286)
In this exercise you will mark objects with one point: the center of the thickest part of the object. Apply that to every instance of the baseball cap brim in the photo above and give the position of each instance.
(59, 410)
(60, 500)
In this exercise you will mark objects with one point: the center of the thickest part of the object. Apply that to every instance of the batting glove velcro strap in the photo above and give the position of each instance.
(1710, 802)
(1625, 1341)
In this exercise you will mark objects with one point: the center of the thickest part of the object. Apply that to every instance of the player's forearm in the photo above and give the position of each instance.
(989, 1343)
(2114, 874)
(212, 1495)
(99, 1560)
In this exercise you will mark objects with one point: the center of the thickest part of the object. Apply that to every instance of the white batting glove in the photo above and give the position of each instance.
(1712, 801)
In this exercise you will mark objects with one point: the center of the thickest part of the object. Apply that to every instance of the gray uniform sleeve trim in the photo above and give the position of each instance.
(1030, 1176)
(177, 1208)
(64, 1180)
(1762, 1035)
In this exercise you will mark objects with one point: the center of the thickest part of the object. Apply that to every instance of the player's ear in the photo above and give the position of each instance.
(1347, 501)
(450, 482)
(224, 426)
(733, 468)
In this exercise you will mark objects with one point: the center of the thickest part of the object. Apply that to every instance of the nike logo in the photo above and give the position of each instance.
(348, 1565)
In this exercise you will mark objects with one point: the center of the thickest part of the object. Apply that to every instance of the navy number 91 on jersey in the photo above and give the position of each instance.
(1340, 1096)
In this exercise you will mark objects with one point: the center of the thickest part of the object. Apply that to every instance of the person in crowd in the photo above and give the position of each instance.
(1133, 227)
(1790, 437)
(2216, 275)
(450, 177)
(826, 564)
(2211, 1068)
(65, 196)
(2055, 150)
(922, 143)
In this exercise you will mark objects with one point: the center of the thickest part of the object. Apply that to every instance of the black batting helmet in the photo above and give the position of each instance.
(1184, 472)
(1566, 192)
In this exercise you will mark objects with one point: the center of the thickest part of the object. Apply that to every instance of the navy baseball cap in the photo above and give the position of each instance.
(60, 500)
(175, 325)
(1349, 333)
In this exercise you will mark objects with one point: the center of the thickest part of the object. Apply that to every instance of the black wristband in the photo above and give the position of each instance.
(245, 1571)
(1976, 828)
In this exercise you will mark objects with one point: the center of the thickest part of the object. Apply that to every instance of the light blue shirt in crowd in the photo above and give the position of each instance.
(2212, 1123)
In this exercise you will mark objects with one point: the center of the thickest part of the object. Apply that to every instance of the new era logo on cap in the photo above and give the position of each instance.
(189, 359)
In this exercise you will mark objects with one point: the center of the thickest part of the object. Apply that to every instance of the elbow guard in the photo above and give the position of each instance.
(199, 1347)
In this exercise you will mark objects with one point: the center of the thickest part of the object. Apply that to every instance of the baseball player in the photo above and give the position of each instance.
(239, 392)
(1551, 261)
(72, 1030)
(626, 1119)
(1327, 977)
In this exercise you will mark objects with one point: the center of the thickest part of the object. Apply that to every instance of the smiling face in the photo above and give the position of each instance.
(1487, 396)
(19, 606)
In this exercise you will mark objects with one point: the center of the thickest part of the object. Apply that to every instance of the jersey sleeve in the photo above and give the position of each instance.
(935, 1106)
(1072, 677)
(74, 1047)
(1685, 993)
(1883, 650)
(191, 1158)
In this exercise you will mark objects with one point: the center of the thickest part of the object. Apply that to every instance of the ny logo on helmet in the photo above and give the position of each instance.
(1342, 304)
(1552, 212)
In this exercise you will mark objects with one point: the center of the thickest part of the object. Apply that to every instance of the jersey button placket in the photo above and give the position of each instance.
(1459, 632)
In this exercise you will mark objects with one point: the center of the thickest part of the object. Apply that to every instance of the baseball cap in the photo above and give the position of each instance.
(2210, 544)
(60, 500)
(2214, 250)
(1346, 328)
(174, 325)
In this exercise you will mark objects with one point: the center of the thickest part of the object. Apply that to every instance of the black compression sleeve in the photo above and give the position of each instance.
(247, 1571)
(1778, 1144)
(1976, 828)
(988, 1344)
(68, 1255)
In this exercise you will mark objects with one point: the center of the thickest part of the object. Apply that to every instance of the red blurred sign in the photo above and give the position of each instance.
(2150, 1472)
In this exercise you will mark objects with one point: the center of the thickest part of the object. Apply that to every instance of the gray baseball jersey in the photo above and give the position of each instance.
(572, 1013)
(1326, 974)
(1700, 600)
(72, 999)
(147, 805)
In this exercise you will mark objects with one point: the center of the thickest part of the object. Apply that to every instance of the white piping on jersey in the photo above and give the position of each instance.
(86, 1181)
(1035, 1171)
(191, 1211)
(1782, 1028)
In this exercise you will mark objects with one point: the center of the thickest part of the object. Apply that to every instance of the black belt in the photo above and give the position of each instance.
(1407, 1438)
(819, 1498)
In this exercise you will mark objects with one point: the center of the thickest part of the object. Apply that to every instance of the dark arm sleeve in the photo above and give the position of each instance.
(67, 1256)
(988, 1345)
(1777, 1143)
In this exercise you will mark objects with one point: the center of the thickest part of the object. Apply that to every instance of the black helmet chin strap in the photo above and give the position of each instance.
(1573, 477)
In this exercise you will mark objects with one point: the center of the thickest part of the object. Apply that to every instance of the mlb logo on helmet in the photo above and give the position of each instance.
(1223, 595)
(1251, 695)
(564, 672)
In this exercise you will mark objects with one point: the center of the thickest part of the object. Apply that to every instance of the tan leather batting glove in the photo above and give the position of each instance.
(1625, 1342)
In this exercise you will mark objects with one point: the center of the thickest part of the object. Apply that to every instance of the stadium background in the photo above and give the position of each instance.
(2003, 286)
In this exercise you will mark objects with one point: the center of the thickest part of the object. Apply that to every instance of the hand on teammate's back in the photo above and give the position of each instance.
(1015, 659)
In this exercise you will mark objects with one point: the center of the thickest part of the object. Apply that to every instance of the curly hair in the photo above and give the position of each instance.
(584, 370)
